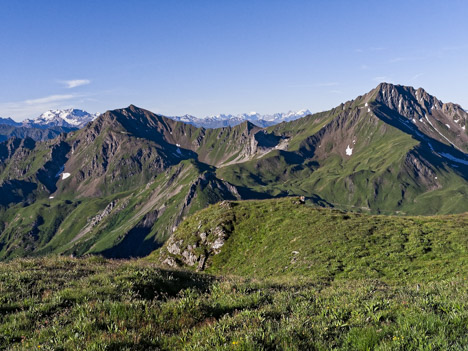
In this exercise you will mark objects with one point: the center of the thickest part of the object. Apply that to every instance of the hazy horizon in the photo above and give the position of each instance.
(208, 57)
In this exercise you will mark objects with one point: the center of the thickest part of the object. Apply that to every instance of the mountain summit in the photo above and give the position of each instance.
(70, 118)
(47, 126)
(122, 184)
(424, 114)
(226, 120)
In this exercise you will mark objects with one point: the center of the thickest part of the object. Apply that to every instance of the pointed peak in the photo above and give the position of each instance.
(385, 87)
(248, 125)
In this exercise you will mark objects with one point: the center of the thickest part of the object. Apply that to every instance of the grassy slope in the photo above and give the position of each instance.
(60, 220)
(375, 177)
(353, 282)
(278, 237)
(93, 304)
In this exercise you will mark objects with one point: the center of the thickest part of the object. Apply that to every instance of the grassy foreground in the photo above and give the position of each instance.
(96, 304)
(278, 237)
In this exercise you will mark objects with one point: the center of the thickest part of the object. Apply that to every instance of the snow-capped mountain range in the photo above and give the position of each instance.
(70, 118)
(76, 119)
(223, 120)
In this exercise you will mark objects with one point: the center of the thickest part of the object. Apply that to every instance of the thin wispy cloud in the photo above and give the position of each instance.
(70, 84)
(30, 108)
(50, 99)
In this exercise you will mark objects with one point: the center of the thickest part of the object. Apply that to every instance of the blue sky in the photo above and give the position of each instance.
(208, 57)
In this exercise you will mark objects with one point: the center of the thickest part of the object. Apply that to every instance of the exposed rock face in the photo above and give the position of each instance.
(422, 171)
(408, 101)
(201, 245)
(425, 115)
(100, 216)
(13, 150)
(393, 140)
(94, 221)
(50, 172)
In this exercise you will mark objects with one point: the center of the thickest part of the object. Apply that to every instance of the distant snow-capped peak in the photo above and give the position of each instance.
(224, 120)
(71, 118)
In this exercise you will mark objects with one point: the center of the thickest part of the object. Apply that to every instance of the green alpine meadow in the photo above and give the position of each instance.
(341, 230)
(120, 186)
(233, 175)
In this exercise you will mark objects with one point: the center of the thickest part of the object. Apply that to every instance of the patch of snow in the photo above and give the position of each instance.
(414, 121)
(447, 125)
(349, 151)
(178, 145)
(463, 127)
(67, 118)
(454, 159)
(366, 104)
(65, 175)
(443, 136)
(435, 177)
(223, 120)
(51, 197)
(368, 109)
(60, 171)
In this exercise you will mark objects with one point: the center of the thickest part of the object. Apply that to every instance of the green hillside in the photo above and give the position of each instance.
(120, 185)
(281, 237)
(95, 304)
(362, 155)
(125, 224)
(276, 274)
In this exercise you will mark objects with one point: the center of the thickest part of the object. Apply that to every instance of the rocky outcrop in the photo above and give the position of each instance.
(100, 216)
(423, 114)
(421, 170)
(94, 221)
(195, 249)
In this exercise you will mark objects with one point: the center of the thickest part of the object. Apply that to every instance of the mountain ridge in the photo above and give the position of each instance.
(68, 118)
(123, 183)
(225, 120)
